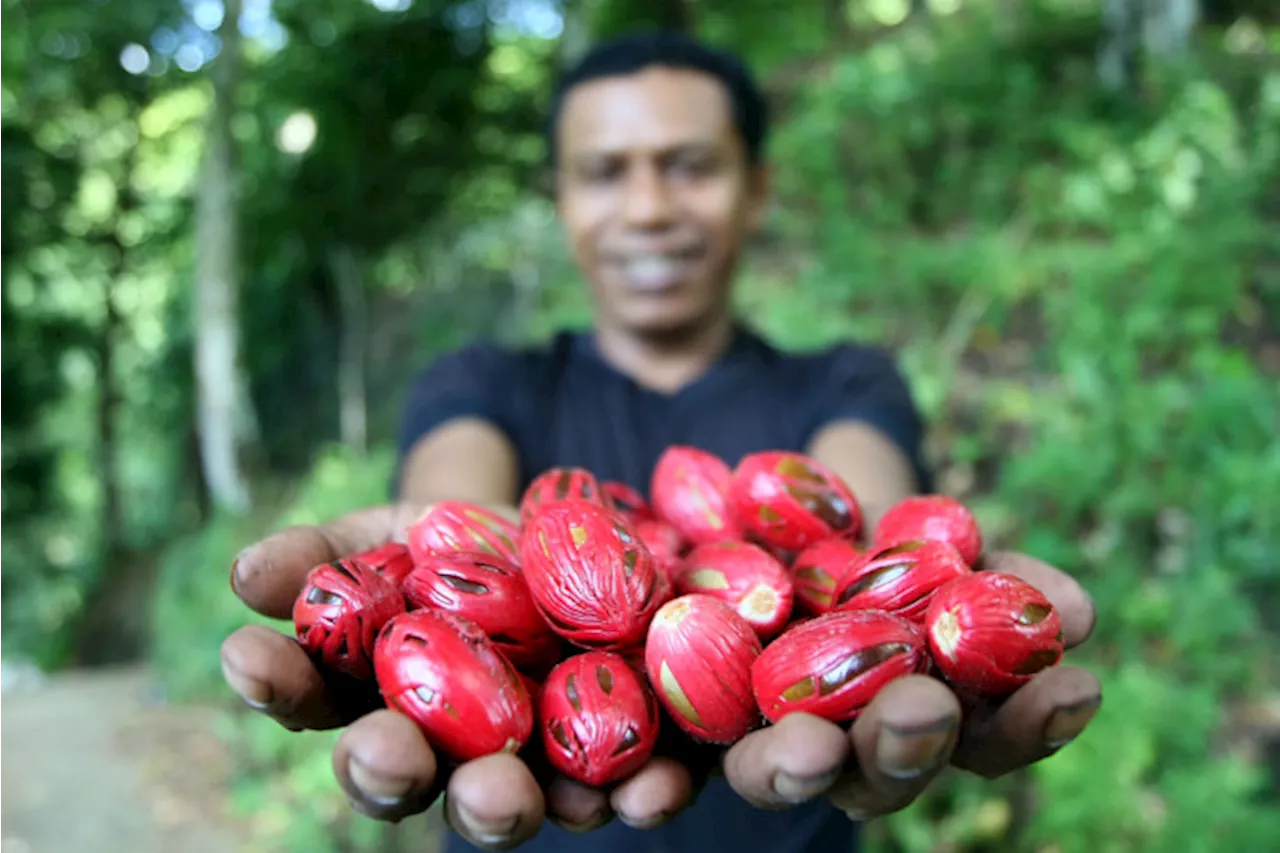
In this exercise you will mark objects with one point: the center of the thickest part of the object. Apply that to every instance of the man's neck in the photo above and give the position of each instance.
(666, 363)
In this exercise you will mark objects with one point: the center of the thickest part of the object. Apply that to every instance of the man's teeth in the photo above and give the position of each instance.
(653, 268)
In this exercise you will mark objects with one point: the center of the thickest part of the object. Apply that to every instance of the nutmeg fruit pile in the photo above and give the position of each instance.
(727, 599)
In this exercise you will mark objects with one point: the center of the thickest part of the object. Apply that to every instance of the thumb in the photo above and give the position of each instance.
(268, 575)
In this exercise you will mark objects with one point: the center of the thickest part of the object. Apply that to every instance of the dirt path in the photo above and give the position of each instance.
(92, 763)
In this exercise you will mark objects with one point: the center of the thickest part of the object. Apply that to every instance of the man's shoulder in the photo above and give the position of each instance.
(839, 359)
(502, 361)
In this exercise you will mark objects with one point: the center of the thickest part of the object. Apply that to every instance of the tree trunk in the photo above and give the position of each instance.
(223, 412)
(1167, 27)
(111, 515)
(113, 626)
(575, 38)
(1118, 52)
(353, 403)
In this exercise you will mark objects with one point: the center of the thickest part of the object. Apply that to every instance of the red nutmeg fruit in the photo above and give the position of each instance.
(931, 517)
(452, 526)
(627, 501)
(599, 720)
(698, 656)
(901, 579)
(442, 672)
(393, 561)
(590, 575)
(744, 576)
(991, 632)
(339, 612)
(788, 501)
(832, 666)
(558, 484)
(665, 545)
(492, 593)
(689, 491)
(816, 570)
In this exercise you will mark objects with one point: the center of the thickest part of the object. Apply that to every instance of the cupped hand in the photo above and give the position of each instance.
(914, 727)
(382, 761)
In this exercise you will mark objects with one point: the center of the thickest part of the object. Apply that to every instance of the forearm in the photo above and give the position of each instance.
(879, 473)
(464, 460)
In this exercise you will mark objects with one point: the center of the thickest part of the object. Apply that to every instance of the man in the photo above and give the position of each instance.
(657, 147)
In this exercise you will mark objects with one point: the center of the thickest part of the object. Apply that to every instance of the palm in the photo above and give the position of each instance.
(895, 748)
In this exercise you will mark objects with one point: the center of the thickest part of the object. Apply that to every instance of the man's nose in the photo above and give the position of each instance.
(648, 202)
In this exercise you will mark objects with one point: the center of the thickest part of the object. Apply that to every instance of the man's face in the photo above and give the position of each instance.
(656, 195)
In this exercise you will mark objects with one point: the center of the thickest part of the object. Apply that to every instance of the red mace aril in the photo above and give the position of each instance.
(698, 656)
(901, 579)
(743, 576)
(590, 575)
(990, 632)
(558, 484)
(451, 526)
(931, 517)
(627, 501)
(393, 561)
(815, 571)
(788, 501)
(441, 671)
(664, 544)
(492, 593)
(833, 665)
(689, 491)
(599, 720)
(337, 616)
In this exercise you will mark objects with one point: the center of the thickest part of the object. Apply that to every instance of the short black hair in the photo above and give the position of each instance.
(633, 52)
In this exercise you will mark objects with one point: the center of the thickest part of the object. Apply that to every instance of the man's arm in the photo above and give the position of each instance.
(866, 427)
(464, 459)
(876, 468)
(459, 431)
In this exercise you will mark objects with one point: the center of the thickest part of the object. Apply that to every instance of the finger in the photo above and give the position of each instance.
(494, 802)
(577, 807)
(385, 766)
(273, 674)
(902, 740)
(1066, 594)
(269, 574)
(794, 760)
(655, 794)
(1040, 718)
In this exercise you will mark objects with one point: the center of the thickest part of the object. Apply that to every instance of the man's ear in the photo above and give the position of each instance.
(759, 194)
(544, 183)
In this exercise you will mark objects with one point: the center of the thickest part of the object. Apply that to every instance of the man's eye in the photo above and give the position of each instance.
(600, 173)
(696, 167)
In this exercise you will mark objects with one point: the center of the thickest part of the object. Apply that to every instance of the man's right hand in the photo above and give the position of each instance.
(383, 762)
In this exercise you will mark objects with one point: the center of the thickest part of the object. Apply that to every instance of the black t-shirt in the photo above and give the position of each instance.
(561, 404)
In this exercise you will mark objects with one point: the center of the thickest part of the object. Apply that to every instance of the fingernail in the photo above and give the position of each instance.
(236, 579)
(254, 693)
(589, 825)
(485, 832)
(1067, 723)
(907, 754)
(796, 789)
(856, 814)
(376, 788)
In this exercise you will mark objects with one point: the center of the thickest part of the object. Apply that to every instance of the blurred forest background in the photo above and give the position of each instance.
(234, 229)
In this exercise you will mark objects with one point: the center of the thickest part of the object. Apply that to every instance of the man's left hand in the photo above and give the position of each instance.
(914, 728)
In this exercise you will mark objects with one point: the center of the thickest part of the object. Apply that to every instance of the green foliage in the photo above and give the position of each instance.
(1073, 294)
(1080, 285)
(284, 786)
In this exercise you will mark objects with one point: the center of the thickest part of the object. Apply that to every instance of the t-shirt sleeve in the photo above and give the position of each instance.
(865, 384)
(476, 381)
